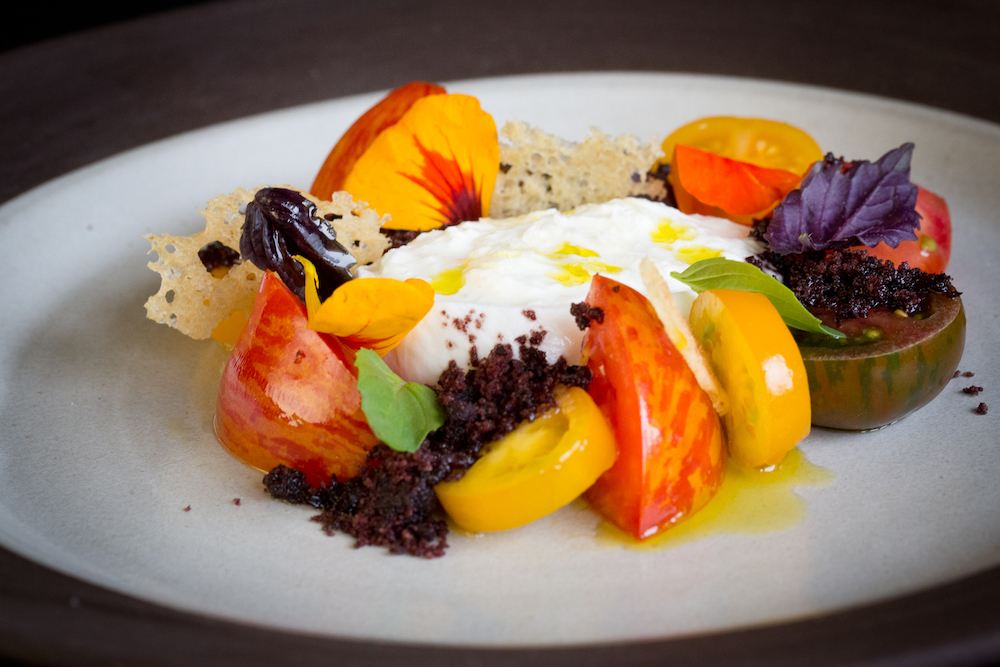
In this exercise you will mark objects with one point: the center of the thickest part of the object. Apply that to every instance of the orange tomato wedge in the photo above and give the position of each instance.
(760, 142)
(737, 168)
(535, 469)
(760, 367)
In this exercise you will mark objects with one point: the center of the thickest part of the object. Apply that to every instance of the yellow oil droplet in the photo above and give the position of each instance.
(568, 249)
(749, 502)
(696, 253)
(577, 273)
(448, 282)
(669, 231)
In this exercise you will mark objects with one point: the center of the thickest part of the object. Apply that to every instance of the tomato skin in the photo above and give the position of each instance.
(758, 141)
(289, 395)
(737, 168)
(759, 364)
(870, 386)
(930, 254)
(670, 440)
(537, 468)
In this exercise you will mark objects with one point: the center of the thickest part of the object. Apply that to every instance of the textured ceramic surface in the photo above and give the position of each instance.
(106, 418)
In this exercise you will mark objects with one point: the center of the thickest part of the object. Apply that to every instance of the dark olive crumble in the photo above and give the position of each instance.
(217, 254)
(584, 314)
(398, 237)
(391, 501)
(852, 282)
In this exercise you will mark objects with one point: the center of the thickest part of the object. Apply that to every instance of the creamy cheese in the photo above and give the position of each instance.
(497, 280)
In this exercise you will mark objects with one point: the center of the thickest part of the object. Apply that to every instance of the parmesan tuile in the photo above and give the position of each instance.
(680, 334)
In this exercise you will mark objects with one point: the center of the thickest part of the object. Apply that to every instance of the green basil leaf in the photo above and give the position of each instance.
(400, 414)
(721, 273)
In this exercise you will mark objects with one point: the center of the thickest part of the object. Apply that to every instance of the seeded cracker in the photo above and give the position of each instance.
(540, 171)
(194, 302)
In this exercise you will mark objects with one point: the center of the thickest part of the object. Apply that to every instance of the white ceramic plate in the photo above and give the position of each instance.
(105, 417)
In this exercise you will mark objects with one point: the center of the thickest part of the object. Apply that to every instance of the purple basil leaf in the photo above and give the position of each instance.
(869, 203)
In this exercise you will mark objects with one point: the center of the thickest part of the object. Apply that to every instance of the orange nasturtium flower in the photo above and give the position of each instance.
(374, 313)
(363, 132)
(437, 166)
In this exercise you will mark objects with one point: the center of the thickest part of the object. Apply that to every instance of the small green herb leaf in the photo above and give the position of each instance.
(721, 273)
(400, 414)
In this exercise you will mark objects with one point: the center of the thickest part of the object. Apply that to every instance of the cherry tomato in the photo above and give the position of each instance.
(756, 163)
(760, 367)
(535, 469)
(932, 249)
(765, 143)
(670, 440)
(289, 395)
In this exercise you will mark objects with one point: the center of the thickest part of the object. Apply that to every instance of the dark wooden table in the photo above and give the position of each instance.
(67, 102)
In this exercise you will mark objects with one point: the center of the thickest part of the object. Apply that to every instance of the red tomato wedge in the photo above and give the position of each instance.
(932, 249)
(289, 395)
(363, 132)
(670, 440)
(736, 188)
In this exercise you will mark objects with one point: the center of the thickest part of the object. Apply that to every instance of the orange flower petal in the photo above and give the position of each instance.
(737, 188)
(363, 132)
(374, 313)
(437, 166)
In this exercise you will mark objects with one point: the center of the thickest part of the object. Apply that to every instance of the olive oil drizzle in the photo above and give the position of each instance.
(749, 502)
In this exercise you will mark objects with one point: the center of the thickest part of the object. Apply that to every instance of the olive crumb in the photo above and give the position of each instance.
(217, 255)
(981, 410)
(187, 509)
(584, 315)
(237, 502)
(972, 391)
(391, 502)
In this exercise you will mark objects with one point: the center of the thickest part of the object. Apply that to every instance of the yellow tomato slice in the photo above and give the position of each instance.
(765, 143)
(760, 367)
(535, 469)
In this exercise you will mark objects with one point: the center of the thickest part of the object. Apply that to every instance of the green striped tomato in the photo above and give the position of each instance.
(870, 385)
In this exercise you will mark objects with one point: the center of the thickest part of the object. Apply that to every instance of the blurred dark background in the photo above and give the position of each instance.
(37, 22)
(65, 103)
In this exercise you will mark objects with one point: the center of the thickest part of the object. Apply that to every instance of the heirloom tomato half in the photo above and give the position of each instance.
(670, 440)
(931, 250)
(289, 395)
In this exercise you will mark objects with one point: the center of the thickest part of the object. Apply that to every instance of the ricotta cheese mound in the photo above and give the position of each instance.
(498, 280)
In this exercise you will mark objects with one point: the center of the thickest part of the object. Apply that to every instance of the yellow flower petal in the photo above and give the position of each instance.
(437, 166)
(374, 313)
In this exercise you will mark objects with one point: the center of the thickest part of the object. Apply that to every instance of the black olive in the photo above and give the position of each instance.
(216, 254)
(281, 223)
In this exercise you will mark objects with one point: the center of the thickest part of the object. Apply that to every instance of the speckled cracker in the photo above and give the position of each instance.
(194, 302)
(548, 172)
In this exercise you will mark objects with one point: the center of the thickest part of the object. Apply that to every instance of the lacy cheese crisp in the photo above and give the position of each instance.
(201, 304)
(540, 171)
